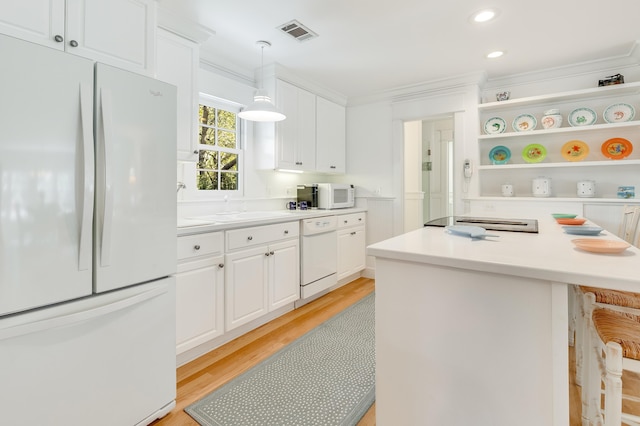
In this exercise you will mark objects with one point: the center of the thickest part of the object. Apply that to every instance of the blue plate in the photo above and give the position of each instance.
(582, 230)
(500, 154)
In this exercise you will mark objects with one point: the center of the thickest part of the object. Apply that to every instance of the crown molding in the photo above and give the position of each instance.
(183, 27)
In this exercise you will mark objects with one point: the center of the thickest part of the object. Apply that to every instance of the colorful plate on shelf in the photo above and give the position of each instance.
(619, 113)
(582, 230)
(575, 150)
(500, 155)
(616, 148)
(563, 215)
(570, 221)
(582, 117)
(524, 123)
(534, 153)
(601, 246)
(494, 125)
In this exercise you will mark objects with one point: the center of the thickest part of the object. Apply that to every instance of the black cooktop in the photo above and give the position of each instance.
(491, 223)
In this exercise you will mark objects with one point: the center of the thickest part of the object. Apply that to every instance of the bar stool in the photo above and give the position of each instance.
(613, 345)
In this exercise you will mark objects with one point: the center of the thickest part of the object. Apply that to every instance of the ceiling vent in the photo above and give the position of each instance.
(298, 31)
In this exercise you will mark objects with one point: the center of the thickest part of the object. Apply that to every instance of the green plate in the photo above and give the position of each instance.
(564, 215)
(534, 153)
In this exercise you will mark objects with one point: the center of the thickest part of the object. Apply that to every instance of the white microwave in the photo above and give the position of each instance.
(335, 196)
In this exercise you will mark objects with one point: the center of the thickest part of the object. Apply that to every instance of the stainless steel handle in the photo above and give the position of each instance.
(86, 117)
(58, 38)
(107, 211)
(196, 247)
(73, 43)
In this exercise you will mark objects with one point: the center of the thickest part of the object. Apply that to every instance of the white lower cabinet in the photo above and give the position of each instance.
(199, 290)
(351, 244)
(262, 271)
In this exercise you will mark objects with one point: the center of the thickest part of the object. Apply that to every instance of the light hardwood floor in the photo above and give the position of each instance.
(203, 375)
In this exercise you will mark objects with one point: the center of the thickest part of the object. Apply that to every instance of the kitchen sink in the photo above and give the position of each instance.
(242, 216)
(490, 223)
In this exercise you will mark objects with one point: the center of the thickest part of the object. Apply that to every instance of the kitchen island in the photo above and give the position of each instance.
(475, 331)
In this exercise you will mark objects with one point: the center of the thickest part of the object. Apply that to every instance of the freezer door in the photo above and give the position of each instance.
(135, 218)
(46, 175)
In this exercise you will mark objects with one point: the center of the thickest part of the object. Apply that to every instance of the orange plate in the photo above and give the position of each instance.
(616, 148)
(601, 246)
(567, 221)
(575, 150)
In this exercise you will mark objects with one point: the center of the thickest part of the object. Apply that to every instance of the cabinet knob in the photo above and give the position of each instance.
(58, 38)
(271, 253)
(346, 221)
(195, 151)
(73, 43)
(196, 247)
(359, 219)
(332, 167)
(220, 265)
(286, 232)
(249, 238)
(353, 233)
(266, 254)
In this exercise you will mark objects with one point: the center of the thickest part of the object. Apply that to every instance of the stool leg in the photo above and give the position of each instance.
(590, 372)
(580, 329)
(613, 385)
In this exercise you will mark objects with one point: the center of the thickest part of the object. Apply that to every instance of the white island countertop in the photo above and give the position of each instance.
(547, 255)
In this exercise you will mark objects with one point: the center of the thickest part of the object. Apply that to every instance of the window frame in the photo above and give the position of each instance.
(219, 103)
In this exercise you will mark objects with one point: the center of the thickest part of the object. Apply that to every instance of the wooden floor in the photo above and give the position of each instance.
(203, 375)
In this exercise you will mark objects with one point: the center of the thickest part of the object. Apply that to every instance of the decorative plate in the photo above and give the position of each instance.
(575, 150)
(534, 153)
(524, 123)
(500, 154)
(582, 230)
(601, 246)
(582, 117)
(619, 113)
(494, 125)
(616, 148)
(563, 215)
(567, 221)
(468, 231)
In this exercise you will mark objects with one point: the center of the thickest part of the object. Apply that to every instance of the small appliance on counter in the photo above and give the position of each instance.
(308, 194)
(335, 196)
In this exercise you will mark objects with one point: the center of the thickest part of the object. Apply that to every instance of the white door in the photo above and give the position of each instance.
(135, 222)
(284, 273)
(246, 276)
(46, 175)
(38, 21)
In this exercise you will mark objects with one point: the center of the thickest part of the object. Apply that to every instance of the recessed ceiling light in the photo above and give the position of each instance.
(495, 54)
(484, 15)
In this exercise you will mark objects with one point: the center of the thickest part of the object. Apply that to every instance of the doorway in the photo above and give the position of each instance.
(428, 170)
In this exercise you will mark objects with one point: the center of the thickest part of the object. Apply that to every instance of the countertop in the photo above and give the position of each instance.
(548, 255)
(234, 220)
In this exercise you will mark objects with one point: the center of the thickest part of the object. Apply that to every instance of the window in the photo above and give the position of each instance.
(219, 152)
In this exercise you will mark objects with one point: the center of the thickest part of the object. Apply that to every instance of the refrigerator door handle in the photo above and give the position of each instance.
(86, 214)
(107, 214)
(66, 320)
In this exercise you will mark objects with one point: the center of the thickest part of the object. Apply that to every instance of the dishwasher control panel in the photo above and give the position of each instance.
(319, 225)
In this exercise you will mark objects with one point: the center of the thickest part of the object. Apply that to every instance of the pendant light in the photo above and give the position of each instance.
(262, 109)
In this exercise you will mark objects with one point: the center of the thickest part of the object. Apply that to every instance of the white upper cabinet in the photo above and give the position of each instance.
(115, 32)
(177, 63)
(295, 136)
(330, 136)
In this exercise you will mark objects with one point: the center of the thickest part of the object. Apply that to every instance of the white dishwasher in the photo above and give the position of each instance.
(319, 259)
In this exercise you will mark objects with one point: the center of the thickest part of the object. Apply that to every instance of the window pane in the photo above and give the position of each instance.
(228, 181)
(207, 115)
(228, 161)
(207, 180)
(226, 139)
(206, 136)
(208, 159)
(226, 119)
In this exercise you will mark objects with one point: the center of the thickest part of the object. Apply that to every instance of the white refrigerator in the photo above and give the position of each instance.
(87, 241)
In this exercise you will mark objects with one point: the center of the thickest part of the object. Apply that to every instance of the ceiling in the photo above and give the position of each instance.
(369, 46)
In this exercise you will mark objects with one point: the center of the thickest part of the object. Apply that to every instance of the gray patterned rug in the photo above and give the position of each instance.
(325, 377)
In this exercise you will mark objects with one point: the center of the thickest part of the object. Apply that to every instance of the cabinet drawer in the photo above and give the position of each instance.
(248, 237)
(209, 244)
(353, 219)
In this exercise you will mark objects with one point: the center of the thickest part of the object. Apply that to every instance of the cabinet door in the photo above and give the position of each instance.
(177, 63)
(351, 251)
(295, 140)
(284, 273)
(199, 303)
(330, 136)
(115, 32)
(37, 21)
(245, 286)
